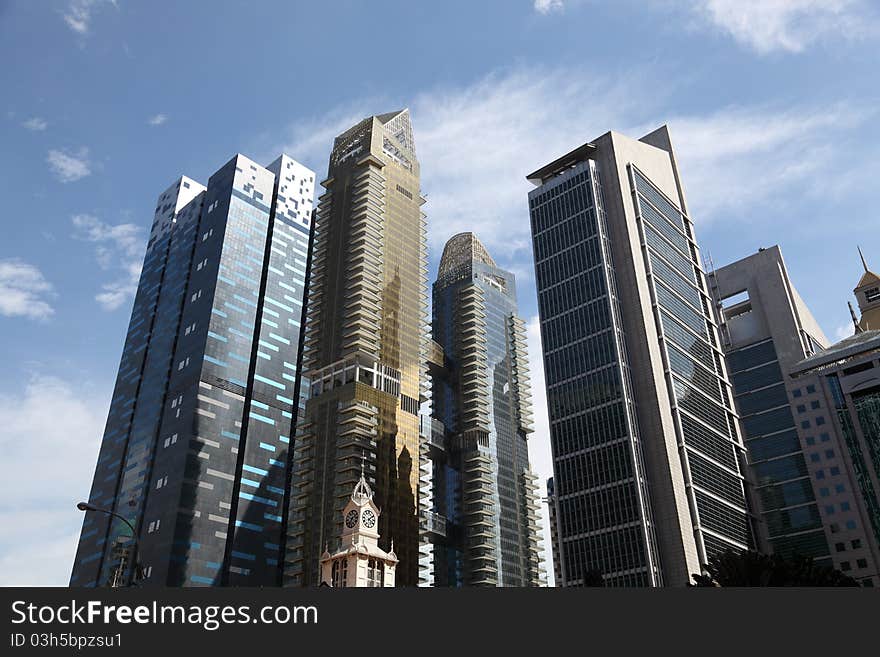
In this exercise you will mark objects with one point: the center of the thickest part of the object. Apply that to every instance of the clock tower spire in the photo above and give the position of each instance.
(359, 561)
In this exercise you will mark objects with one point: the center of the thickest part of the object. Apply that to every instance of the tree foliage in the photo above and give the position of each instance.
(733, 568)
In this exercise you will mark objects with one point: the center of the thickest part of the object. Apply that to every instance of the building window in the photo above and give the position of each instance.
(856, 543)
(814, 405)
(861, 563)
(824, 437)
(844, 566)
(796, 392)
(850, 524)
(835, 471)
(829, 453)
(820, 421)
(811, 440)
(840, 547)
(844, 506)
(824, 492)
(811, 389)
(805, 424)
(801, 408)
(814, 457)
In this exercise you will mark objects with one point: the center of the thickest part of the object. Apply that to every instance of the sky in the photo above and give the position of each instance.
(771, 105)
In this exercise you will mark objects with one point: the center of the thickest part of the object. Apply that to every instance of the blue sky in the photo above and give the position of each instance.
(772, 107)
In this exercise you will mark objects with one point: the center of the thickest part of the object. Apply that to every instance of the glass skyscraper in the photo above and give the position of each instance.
(766, 328)
(646, 445)
(482, 484)
(196, 448)
(365, 348)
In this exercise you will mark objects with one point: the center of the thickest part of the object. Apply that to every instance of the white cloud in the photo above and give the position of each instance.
(787, 25)
(540, 455)
(79, 14)
(760, 150)
(844, 331)
(69, 167)
(547, 6)
(477, 143)
(118, 248)
(158, 119)
(23, 291)
(36, 124)
(46, 468)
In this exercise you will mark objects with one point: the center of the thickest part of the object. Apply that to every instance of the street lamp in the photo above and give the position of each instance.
(85, 506)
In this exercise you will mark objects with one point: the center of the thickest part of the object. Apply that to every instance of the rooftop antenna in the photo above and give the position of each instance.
(852, 314)
(862, 256)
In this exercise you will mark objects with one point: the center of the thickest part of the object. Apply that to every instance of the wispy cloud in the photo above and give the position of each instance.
(119, 248)
(548, 6)
(78, 15)
(158, 119)
(24, 291)
(476, 144)
(788, 25)
(69, 167)
(41, 549)
(36, 124)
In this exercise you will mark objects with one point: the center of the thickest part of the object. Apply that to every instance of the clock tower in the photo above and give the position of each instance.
(359, 561)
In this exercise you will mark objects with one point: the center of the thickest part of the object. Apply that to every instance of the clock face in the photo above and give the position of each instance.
(351, 518)
(369, 519)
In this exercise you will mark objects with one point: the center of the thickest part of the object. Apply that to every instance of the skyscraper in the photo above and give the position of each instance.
(646, 447)
(195, 451)
(766, 328)
(483, 485)
(835, 396)
(365, 349)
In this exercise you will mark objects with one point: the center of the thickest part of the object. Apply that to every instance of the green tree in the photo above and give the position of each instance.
(732, 568)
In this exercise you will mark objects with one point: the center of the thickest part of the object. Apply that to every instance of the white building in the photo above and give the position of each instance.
(359, 561)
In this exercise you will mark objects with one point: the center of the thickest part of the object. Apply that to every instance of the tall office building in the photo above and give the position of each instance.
(646, 446)
(766, 328)
(482, 483)
(836, 402)
(195, 451)
(365, 349)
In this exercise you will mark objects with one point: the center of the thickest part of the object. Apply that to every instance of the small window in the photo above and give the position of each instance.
(811, 440)
(844, 566)
(835, 471)
(811, 389)
(796, 392)
(850, 524)
(840, 547)
(824, 492)
(829, 453)
(861, 563)
(805, 424)
(801, 408)
(820, 421)
(856, 543)
(814, 404)
(844, 506)
(814, 457)
(824, 437)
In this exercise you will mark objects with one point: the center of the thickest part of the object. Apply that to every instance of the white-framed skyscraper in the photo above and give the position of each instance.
(646, 445)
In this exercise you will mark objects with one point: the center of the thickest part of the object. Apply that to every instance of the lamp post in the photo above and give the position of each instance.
(85, 506)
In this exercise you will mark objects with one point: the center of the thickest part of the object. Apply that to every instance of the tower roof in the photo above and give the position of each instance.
(463, 249)
(869, 277)
(362, 492)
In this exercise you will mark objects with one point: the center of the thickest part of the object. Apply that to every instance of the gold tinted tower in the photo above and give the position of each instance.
(364, 348)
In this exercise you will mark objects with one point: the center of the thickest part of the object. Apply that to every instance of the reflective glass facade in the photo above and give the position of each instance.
(483, 486)
(365, 348)
(702, 406)
(603, 521)
(645, 442)
(196, 449)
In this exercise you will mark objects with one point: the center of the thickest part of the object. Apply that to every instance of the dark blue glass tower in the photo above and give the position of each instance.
(195, 450)
(481, 480)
